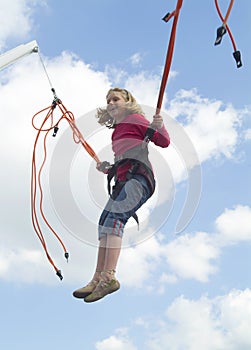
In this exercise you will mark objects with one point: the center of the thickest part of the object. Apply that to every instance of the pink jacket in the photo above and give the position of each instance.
(130, 133)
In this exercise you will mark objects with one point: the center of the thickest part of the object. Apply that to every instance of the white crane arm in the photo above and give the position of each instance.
(18, 52)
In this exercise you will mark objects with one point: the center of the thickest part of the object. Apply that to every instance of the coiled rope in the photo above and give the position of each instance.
(48, 125)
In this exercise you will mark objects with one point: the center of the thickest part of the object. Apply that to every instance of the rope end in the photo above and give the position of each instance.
(220, 32)
(59, 274)
(166, 17)
(66, 255)
(55, 130)
(237, 57)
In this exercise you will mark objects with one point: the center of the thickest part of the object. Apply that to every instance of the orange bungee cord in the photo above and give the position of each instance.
(169, 56)
(36, 186)
(225, 28)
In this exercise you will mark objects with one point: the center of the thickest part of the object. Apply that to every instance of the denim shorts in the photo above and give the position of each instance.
(116, 213)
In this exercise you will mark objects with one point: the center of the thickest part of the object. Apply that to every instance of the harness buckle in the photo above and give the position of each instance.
(148, 136)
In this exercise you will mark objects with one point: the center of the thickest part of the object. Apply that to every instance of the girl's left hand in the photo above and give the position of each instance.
(157, 122)
(103, 167)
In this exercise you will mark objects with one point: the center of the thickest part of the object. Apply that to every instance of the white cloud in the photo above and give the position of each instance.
(205, 130)
(189, 256)
(234, 224)
(210, 124)
(218, 323)
(236, 317)
(145, 257)
(210, 324)
(16, 18)
(14, 262)
(119, 341)
(247, 134)
(144, 87)
(136, 58)
(28, 263)
(192, 256)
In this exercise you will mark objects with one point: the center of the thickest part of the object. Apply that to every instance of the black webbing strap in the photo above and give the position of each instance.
(148, 135)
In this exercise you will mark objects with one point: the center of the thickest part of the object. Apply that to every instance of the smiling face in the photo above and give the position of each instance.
(116, 104)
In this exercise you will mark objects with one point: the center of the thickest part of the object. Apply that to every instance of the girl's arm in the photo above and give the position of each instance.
(160, 137)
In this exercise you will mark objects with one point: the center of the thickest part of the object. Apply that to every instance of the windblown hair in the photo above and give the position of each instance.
(132, 107)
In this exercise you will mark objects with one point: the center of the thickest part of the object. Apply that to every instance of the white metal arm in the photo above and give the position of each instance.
(13, 55)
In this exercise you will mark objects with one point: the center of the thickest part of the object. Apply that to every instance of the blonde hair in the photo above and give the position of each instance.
(132, 107)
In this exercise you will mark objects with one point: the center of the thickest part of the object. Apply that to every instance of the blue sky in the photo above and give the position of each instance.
(186, 290)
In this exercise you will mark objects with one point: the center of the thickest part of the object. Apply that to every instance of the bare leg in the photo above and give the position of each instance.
(108, 283)
(89, 288)
(112, 252)
(108, 254)
(101, 258)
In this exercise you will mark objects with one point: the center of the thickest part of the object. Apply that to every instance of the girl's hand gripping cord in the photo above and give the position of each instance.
(157, 122)
(103, 167)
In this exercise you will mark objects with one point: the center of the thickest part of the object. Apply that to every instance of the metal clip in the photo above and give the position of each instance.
(59, 274)
(66, 255)
(166, 17)
(220, 32)
(237, 57)
(55, 130)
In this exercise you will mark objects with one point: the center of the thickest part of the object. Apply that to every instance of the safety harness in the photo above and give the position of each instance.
(137, 157)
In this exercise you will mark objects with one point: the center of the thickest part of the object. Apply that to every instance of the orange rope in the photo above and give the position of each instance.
(228, 11)
(169, 54)
(224, 28)
(36, 179)
(170, 50)
(77, 136)
(225, 19)
(36, 175)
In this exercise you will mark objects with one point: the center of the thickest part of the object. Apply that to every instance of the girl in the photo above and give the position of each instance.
(134, 183)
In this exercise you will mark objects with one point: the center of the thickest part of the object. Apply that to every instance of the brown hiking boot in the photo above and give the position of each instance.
(83, 292)
(103, 288)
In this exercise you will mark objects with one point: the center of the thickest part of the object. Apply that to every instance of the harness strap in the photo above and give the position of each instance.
(112, 172)
(138, 158)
